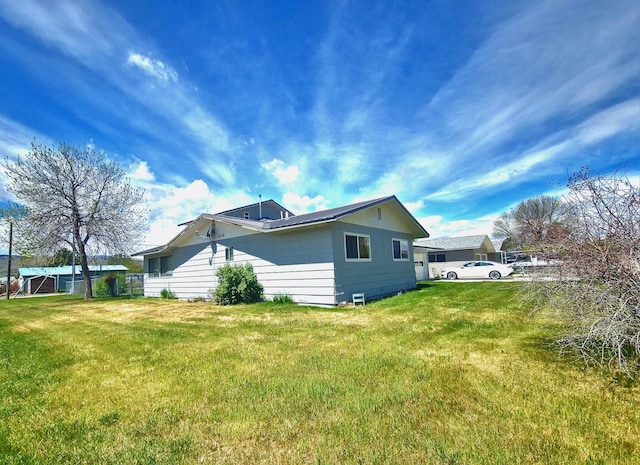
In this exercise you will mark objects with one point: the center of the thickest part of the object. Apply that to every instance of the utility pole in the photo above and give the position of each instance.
(9, 261)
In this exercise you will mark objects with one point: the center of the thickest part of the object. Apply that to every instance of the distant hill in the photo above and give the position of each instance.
(15, 263)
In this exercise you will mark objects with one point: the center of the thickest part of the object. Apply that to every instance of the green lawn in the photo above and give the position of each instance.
(450, 373)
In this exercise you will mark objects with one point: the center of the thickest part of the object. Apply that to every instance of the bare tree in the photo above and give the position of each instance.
(76, 198)
(595, 287)
(532, 222)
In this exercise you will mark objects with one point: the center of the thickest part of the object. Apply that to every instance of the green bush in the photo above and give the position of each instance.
(167, 294)
(102, 287)
(237, 284)
(105, 286)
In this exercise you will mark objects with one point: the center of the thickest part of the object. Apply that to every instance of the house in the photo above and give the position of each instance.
(48, 279)
(444, 252)
(319, 258)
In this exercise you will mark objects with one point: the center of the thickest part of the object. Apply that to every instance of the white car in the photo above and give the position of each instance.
(477, 269)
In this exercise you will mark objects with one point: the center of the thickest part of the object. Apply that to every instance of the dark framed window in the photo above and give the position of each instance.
(166, 265)
(228, 254)
(357, 247)
(437, 258)
(160, 266)
(400, 249)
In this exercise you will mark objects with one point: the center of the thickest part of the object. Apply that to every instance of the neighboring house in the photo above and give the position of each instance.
(318, 258)
(444, 252)
(48, 279)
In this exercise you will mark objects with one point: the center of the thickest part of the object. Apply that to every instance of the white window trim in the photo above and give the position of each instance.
(344, 243)
(408, 250)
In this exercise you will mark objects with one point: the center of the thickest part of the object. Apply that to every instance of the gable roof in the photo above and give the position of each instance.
(295, 221)
(454, 243)
(497, 243)
(234, 211)
(323, 216)
(263, 203)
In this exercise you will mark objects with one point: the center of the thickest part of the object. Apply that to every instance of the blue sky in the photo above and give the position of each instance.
(460, 108)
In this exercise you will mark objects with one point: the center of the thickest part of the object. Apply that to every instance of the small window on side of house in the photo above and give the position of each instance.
(437, 258)
(357, 247)
(228, 254)
(400, 249)
(153, 267)
(246, 215)
(160, 266)
(166, 265)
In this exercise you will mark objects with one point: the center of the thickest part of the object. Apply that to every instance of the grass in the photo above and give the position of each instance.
(453, 373)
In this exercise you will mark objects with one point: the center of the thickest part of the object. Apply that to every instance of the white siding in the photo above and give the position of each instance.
(311, 283)
(194, 278)
(305, 283)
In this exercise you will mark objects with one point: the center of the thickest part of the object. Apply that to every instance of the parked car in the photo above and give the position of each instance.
(477, 269)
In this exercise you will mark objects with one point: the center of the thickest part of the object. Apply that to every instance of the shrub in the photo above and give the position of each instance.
(106, 285)
(594, 288)
(167, 294)
(237, 284)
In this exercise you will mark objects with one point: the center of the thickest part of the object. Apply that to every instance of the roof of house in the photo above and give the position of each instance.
(262, 203)
(295, 221)
(233, 212)
(66, 270)
(322, 216)
(497, 243)
(453, 243)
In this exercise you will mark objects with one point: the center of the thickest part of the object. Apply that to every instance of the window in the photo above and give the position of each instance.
(228, 254)
(166, 265)
(153, 266)
(400, 249)
(160, 266)
(439, 258)
(357, 247)
(246, 215)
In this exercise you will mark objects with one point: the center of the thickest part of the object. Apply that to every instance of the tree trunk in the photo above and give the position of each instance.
(86, 275)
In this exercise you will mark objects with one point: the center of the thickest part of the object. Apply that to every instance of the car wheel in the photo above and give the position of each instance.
(452, 275)
(495, 275)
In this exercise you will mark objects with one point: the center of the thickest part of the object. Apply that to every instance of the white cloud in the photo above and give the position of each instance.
(97, 37)
(303, 204)
(438, 226)
(413, 206)
(171, 205)
(140, 171)
(621, 118)
(539, 160)
(154, 68)
(15, 137)
(284, 174)
(556, 75)
(76, 28)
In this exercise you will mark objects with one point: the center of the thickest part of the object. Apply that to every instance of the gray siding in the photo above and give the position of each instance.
(382, 276)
